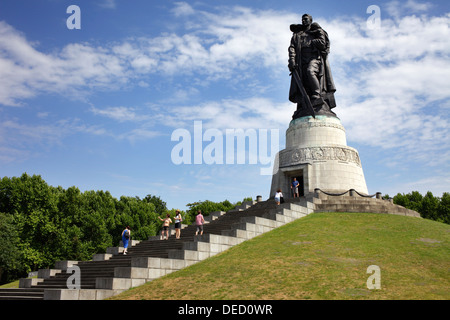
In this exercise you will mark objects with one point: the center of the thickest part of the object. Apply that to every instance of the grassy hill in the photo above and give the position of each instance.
(322, 256)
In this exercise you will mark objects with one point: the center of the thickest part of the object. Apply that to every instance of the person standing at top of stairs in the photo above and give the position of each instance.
(126, 235)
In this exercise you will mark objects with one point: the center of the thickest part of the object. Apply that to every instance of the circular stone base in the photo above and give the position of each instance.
(310, 132)
(317, 152)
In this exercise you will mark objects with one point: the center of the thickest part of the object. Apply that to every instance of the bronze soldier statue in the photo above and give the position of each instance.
(312, 87)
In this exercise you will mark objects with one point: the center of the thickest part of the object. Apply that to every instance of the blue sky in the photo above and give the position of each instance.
(96, 107)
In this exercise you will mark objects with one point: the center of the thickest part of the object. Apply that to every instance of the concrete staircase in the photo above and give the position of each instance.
(111, 273)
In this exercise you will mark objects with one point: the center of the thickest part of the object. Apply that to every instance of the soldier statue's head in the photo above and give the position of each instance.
(307, 19)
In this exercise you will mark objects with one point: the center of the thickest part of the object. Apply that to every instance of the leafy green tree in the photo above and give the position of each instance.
(139, 214)
(429, 206)
(411, 200)
(96, 210)
(32, 203)
(10, 258)
(160, 206)
(70, 215)
(444, 208)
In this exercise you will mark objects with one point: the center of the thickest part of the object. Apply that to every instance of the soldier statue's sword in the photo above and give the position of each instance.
(299, 83)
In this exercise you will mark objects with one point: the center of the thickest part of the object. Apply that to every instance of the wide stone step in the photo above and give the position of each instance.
(20, 297)
(22, 294)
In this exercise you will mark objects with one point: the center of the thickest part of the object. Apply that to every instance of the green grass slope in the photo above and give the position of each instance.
(321, 256)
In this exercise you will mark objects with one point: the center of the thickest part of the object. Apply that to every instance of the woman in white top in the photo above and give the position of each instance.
(178, 220)
(278, 196)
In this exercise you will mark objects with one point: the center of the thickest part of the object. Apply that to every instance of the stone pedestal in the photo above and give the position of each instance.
(318, 156)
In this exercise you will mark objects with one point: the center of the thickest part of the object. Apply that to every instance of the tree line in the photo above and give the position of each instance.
(41, 224)
(429, 206)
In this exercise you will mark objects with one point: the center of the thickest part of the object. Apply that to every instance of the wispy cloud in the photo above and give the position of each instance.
(20, 140)
(400, 8)
(120, 114)
(108, 4)
(139, 134)
(438, 183)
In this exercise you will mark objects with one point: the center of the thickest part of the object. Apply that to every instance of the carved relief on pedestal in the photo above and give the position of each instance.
(317, 124)
(296, 156)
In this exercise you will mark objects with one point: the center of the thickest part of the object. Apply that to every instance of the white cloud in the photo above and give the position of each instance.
(182, 9)
(226, 46)
(26, 72)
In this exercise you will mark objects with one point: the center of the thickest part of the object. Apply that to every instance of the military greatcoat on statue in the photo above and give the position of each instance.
(308, 54)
